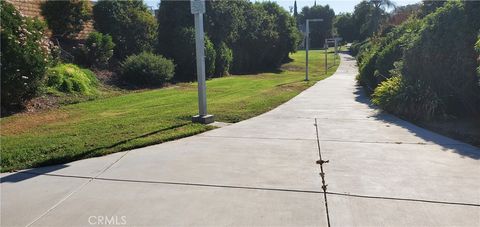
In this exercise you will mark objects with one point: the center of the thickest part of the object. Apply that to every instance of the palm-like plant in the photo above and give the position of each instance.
(382, 4)
(378, 7)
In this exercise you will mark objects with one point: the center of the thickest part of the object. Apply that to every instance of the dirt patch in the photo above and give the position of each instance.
(42, 103)
(293, 68)
(27, 121)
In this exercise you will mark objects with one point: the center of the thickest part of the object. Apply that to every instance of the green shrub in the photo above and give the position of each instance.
(260, 35)
(355, 48)
(184, 55)
(132, 27)
(210, 58)
(25, 53)
(223, 60)
(393, 46)
(441, 57)
(386, 57)
(69, 78)
(67, 18)
(411, 99)
(147, 69)
(477, 48)
(377, 56)
(96, 51)
(366, 76)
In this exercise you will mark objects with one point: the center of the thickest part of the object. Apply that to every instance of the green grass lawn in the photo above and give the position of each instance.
(138, 119)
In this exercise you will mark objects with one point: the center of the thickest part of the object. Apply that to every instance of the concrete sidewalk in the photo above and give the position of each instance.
(261, 172)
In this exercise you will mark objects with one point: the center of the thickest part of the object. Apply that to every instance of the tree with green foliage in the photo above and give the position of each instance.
(96, 51)
(269, 35)
(257, 36)
(319, 31)
(402, 13)
(132, 27)
(176, 40)
(454, 80)
(429, 6)
(67, 18)
(345, 27)
(288, 38)
(419, 74)
(223, 20)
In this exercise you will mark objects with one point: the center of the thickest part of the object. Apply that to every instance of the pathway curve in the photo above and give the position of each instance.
(382, 171)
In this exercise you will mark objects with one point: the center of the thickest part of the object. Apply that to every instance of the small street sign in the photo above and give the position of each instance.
(197, 6)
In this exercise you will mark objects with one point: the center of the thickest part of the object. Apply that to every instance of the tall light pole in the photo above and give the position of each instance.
(198, 9)
(307, 43)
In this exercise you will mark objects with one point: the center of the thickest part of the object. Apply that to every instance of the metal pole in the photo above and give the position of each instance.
(326, 55)
(200, 52)
(198, 8)
(335, 53)
(307, 41)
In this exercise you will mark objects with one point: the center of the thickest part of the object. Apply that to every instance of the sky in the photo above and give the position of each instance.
(339, 6)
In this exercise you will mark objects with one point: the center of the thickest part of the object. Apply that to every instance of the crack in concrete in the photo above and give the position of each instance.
(74, 191)
(321, 162)
(249, 188)
(336, 140)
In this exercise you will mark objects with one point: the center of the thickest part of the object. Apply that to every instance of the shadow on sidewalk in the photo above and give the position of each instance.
(30, 173)
(446, 143)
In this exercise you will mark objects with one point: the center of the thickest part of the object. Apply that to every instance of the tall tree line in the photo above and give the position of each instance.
(243, 36)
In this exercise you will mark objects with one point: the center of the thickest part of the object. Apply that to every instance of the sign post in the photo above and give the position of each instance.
(198, 9)
(307, 43)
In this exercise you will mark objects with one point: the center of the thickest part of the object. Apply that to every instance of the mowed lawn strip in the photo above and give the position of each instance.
(140, 119)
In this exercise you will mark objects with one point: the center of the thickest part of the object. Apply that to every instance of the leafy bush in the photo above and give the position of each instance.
(477, 48)
(366, 77)
(25, 54)
(96, 51)
(386, 57)
(70, 78)
(393, 46)
(441, 57)
(377, 56)
(67, 18)
(182, 51)
(147, 69)
(260, 35)
(411, 99)
(358, 47)
(223, 60)
(132, 27)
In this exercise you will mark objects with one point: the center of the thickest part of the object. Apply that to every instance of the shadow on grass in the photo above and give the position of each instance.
(50, 165)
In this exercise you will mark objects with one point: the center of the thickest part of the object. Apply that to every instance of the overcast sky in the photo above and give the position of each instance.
(337, 5)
